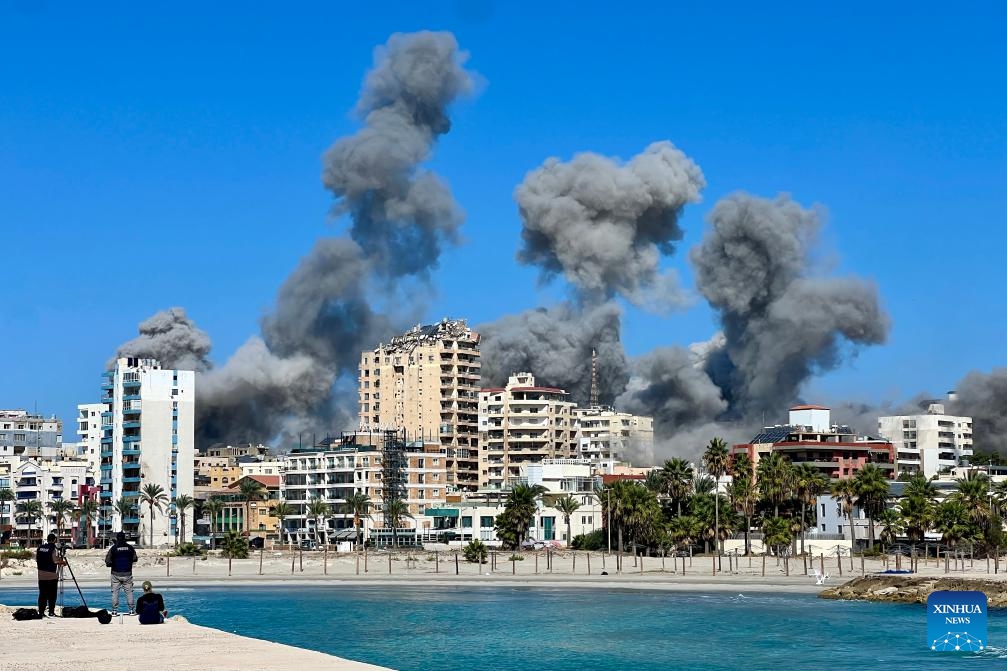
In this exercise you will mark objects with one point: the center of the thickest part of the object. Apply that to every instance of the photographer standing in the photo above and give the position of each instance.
(48, 561)
(120, 558)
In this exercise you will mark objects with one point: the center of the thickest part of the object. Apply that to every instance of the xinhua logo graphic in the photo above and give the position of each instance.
(956, 621)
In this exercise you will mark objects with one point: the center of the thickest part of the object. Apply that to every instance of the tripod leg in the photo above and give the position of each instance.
(76, 584)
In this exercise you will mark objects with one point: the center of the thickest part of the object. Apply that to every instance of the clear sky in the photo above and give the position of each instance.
(153, 157)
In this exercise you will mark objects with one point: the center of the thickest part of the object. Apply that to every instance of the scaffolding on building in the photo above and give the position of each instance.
(393, 475)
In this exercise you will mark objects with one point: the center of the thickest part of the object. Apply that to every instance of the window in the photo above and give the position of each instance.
(486, 521)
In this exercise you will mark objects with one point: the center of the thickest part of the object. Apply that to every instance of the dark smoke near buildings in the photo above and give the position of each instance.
(402, 217)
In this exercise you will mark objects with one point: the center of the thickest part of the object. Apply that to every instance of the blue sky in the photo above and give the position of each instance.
(151, 158)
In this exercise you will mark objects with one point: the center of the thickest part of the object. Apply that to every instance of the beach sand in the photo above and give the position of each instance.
(87, 645)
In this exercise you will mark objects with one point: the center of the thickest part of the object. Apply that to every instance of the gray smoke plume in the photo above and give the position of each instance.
(604, 226)
(170, 337)
(983, 396)
(780, 325)
(402, 215)
(555, 345)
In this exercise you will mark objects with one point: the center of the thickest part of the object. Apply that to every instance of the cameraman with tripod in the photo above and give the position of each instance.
(48, 561)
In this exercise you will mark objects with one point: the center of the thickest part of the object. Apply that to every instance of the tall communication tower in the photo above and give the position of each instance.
(594, 379)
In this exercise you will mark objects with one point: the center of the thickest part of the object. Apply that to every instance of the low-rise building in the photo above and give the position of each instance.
(930, 442)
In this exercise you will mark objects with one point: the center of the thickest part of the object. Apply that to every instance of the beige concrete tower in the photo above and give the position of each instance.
(426, 382)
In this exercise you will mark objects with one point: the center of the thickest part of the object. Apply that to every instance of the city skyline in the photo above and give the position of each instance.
(213, 179)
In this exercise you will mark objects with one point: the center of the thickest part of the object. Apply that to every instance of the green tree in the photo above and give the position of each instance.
(60, 508)
(126, 508)
(154, 497)
(519, 511)
(213, 507)
(396, 510)
(892, 524)
(744, 493)
(715, 460)
(974, 493)
(359, 504)
(32, 511)
(677, 477)
(476, 552)
(567, 506)
(640, 514)
(320, 510)
(87, 512)
(776, 533)
(250, 490)
(918, 506)
(809, 484)
(685, 531)
(281, 511)
(871, 487)
(182, 503)
(845, 492)
(235, 545)
(775, 480)
(953, 522)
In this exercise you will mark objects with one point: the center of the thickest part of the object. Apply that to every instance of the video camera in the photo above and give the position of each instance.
(61, 549)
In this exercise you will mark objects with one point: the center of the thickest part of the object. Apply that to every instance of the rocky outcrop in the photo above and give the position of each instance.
(907, 589)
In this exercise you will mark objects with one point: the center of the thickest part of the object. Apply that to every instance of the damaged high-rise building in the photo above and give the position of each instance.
(425, 383)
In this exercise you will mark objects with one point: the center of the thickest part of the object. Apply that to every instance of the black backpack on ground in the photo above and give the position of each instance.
(103, 615)
(26, 614)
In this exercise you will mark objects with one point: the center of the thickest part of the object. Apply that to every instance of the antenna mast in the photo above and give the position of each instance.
(594, 379)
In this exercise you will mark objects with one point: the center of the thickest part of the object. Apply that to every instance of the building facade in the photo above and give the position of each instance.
(607, 435)
(147, 438)
(426, 383)
(930, 442)
(28, 435)
(522, 424)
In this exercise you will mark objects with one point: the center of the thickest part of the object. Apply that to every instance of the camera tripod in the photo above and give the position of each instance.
(62, 578)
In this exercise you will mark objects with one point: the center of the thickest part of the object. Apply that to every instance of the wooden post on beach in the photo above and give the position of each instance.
(456, 563)
(589, 563)
(574, 570)
(664, 553)
(293, 557)
(805, 558)
(437, 562)
(168, 564)
(260, 560)
(821, 562)
(786, 565)
(839, 562)
(763, 563)
(300, 554)
(513, 564)
(228, 565)
(389, 563)
(996, 561)
(358, 565)
(714, 565)
(325, 560)
(536, 564)
(365, 559)
(947, 562)
(194, 565)
(863, 571)
(641, 562)
(987, 562)
(552, 559)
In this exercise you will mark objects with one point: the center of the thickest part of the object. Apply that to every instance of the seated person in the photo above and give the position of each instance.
(150, 606)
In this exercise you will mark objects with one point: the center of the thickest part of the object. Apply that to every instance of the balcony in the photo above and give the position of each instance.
(130, 411)
(106, 440)
(130, 520)
(107, 386)
(132, 480)
(105, 481)
(131, 397)
(106, 454)
(131, 452)
(135, 438)
(130, 384)
(131, 424)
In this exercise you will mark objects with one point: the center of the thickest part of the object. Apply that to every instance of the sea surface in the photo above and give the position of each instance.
(490, 628)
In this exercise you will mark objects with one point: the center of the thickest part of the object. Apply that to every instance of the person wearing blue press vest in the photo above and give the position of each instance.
(120, 558)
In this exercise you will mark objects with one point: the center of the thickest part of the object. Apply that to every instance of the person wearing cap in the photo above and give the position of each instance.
(48, 561)
(120, 558)
(150, 606)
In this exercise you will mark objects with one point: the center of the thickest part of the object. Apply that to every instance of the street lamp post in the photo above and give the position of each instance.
(609, 525)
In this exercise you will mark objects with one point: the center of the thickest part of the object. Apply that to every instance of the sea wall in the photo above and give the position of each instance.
(909, 589)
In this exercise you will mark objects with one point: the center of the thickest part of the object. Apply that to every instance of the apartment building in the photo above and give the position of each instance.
(45, 481)
(425, 382)
(28, 435)
(930, 442)
(522, 424)
(810, 438)
(605, 435)
(147, 438)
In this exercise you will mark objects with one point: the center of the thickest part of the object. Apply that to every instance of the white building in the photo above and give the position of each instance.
(27, 435)
(928, 442)
(147, 438)
(604, 434)
(44, 481)
(89, 431)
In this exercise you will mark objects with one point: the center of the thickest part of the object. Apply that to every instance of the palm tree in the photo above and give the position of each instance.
(153, 495)
(281, 511)
(125, 507)
(715, 461)
(918, 506)
(250, 490)
(319, 509)
(182, 503)
(871, 487)
(677, 476)
(87, 511)
(809, 484)
(952, 521)
(744, 492)
(973, 492)
(60, 508)
(212, 507)
(892, 524)
(775, 480)
(776, 533)
(844, 492)
(359, 504)
(567, 505)
(6, 496)
(519, 511)
(395, 511)
(32, 511)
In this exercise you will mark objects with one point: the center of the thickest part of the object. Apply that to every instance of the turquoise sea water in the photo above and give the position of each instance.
(461, 629)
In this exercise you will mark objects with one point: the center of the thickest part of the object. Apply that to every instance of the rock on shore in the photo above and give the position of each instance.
(910, 589)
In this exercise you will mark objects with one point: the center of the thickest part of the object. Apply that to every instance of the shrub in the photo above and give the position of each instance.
(595, 540)
(188, 550)
(18, 554)
(515, 557)
(475, 552)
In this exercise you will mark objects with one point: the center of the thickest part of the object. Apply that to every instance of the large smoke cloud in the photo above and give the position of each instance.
(402, 216)
(983, 396)
(604, 226)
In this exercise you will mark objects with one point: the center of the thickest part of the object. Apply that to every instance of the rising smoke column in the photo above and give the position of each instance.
(983, 396)
(401, 215)
(780, 325)
(172, 338)
(602, 225)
